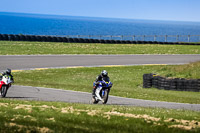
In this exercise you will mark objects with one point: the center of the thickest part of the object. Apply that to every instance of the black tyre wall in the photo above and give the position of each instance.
(178, 84)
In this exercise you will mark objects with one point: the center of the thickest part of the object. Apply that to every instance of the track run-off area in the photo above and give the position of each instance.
(30, 62)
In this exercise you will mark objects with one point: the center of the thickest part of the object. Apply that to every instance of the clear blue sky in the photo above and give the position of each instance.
(178, 10)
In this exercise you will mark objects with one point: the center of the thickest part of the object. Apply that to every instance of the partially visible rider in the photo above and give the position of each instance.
(96, 90)
(8, 73)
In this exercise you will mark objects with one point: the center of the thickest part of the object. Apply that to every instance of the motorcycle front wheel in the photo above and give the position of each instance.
(105, 97)
(3, 91)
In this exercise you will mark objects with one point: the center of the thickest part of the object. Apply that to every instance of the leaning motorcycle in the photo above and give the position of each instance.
(106, 85)
(5, 84)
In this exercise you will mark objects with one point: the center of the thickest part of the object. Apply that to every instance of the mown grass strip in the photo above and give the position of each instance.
(33, 48)
(127, 80)
(35, 116)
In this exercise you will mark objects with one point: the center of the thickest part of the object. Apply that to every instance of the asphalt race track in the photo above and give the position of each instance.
(25, 62)
(48, 94)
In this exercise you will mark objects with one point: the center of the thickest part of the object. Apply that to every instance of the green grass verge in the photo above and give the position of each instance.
(127, 80)
(31, 48)
(32, 116)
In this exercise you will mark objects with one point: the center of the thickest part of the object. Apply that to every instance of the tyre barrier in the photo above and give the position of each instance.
(43, 38)
(177, 84)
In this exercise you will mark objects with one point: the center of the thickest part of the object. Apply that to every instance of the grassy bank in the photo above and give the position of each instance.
(32, 116)
(127, 80)
(31, 48)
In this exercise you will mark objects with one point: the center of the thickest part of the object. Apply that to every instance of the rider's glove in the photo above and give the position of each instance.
(96, 83)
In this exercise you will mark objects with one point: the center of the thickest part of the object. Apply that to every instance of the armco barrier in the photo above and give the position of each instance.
(13, 37)
(178, 84)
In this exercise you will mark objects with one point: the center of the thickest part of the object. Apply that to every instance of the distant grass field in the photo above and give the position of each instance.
(50, 117)
(32, 48)
(127, 80)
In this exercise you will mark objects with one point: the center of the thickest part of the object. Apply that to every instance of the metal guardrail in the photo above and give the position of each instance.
(164, 38)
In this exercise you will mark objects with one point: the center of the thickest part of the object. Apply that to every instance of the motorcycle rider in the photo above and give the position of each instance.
(8, 73)
(96, 90)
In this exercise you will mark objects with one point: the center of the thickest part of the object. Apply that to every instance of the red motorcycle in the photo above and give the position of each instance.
(5, 84)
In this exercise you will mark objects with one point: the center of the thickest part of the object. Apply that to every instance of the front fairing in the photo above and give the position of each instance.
(104, 85)
(6, 79)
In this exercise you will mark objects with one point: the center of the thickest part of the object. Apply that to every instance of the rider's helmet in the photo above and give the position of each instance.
(8, 71)
(104, 73)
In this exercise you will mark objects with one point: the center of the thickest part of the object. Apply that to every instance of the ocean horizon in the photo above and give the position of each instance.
(40, 24)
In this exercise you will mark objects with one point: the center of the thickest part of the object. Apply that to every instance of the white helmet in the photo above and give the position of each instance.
(104, 73)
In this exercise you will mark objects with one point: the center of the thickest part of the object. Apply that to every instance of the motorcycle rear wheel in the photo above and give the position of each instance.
(3, 91)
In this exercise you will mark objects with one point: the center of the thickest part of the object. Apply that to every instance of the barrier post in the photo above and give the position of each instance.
(155, 37)
(165, 38)
(143, 38)
(133, 37)
(188, 38)
(177, 38)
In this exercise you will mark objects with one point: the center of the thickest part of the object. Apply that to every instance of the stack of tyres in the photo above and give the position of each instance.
(161, 81)
(133, 42)
(107, 41)
(12, 37)
(96, 41)
(181, 84)
(102, 41)
(76, 40)
(118, 41)
(166, 84)
(112, 41)
(139, 42)
(87, 40)
(17, 38)
(54, 39)
(59, 39)
(27, 38)
(5, 37)
(147, 80)
(65, 39)
(155, 82)
(178, 84)
(70, 40)
(188, 85)
(193, 85)
(172, 84)
(150, 42)
(43, 38)
(123, 42)
(38, 38)
(128, 42)
(48, 38)
(1, 37)
(33, 38)
(198, 84)
(22, 38)
(91, 40)
(81, 40)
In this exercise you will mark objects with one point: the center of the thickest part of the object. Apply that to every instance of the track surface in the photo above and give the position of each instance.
(49, 61)
(48, 94)
(60, 61)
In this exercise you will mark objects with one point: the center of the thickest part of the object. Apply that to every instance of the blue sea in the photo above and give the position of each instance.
(37, 24)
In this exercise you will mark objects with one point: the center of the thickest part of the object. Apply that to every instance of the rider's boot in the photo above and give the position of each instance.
(93, 92)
